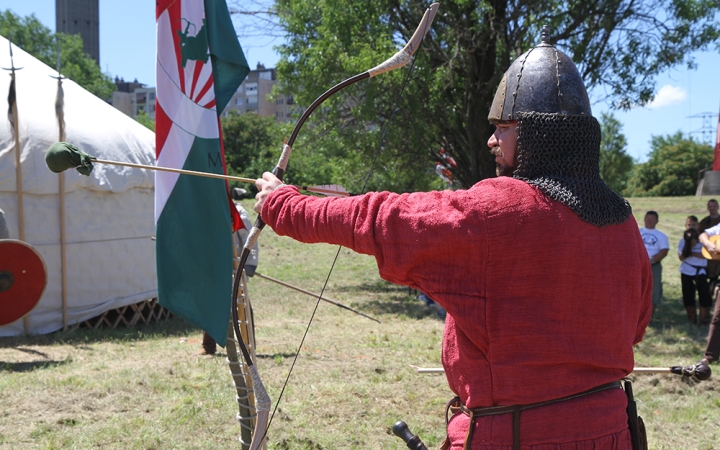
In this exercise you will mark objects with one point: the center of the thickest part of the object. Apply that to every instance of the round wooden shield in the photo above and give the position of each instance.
(23, 277)
(716, 256)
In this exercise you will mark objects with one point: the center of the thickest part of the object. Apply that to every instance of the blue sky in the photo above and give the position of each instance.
(127, 50)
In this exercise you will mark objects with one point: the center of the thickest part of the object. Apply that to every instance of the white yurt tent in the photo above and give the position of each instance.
(108, 216)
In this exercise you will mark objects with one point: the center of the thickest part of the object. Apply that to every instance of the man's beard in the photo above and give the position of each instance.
(502, 169)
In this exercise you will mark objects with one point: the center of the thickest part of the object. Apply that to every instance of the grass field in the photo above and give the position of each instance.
(145, 387)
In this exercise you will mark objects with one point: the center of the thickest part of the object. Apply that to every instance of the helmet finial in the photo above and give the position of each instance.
(545, 37)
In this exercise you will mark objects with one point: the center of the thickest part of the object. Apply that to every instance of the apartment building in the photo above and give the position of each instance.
(253, 96)
(131, 97)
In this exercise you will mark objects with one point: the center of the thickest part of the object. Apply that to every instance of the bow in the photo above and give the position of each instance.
(399, 59)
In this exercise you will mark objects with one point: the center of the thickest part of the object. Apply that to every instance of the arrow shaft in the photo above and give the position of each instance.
(320, 190)
(316, 189)
(635, 370)
(180, 171)
(312, 294)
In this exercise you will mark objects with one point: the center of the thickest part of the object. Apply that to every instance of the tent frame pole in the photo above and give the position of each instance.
(18, 181)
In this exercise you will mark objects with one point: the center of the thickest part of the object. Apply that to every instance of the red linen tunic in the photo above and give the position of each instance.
(540, 304)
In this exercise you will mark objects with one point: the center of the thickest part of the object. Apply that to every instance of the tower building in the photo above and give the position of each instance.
(80, 17)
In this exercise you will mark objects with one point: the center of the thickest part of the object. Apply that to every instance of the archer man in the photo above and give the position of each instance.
(537, 338)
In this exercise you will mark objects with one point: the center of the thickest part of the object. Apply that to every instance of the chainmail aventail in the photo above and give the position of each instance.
(559, 154)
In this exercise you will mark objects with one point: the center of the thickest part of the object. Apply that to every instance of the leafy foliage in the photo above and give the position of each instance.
(251, 144)
(615, 164)
(619, 45)
(35, 38)
(143, 119)
(673, 168)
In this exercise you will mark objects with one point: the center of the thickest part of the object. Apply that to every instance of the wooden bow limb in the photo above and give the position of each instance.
(312, 294)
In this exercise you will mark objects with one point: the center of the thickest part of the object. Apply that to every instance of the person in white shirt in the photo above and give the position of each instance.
(693, 271)
(657, 246)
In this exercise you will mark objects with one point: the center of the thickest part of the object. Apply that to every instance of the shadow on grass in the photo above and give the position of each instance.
(29, 366)
(670, 314)
(398, 300)
(380, 286)
(276, 355)
(402, 306)
(174, 326)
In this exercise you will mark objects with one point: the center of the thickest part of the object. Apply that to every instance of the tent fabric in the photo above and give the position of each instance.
(109, 222)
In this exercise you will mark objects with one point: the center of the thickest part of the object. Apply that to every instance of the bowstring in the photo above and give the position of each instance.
(337, 255)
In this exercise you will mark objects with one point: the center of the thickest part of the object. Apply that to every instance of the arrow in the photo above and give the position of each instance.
(312, 294)
(331, 190)
(677, 370)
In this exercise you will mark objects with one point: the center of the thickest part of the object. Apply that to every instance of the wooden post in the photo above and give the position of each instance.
(63, 272)
(60, 113)
(18, 178)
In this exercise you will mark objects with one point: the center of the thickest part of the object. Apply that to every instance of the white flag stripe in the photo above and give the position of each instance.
(166, 59)
(180, 141)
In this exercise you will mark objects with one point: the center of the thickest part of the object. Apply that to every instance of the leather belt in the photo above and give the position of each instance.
(455, 405)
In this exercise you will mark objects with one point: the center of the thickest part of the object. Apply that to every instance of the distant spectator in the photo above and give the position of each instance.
(692, 273)
(657, 246)
(713, 267)
(432, 304)
(712, 351)
(713, 218)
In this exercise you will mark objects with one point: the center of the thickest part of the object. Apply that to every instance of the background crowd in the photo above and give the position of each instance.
(699, 275)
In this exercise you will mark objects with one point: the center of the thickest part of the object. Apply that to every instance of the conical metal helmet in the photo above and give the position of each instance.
(543, 79)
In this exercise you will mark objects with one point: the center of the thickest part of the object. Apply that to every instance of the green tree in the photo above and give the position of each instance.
(143, 119)
(252, 144)
(35, 38)
(672, 169)
(615, 164)
(619, 45)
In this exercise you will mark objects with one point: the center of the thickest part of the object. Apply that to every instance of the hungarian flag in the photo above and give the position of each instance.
(199, 66)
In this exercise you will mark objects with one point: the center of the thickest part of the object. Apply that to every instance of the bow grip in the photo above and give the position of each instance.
(278, 171)
(401, 430)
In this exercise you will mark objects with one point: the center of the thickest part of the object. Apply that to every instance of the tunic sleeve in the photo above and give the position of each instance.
(410, 235)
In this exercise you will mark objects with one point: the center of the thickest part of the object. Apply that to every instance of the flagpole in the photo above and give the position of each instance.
(59, 105)
(18, 168)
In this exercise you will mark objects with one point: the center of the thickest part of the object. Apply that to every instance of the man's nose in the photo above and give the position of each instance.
(492, 141)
